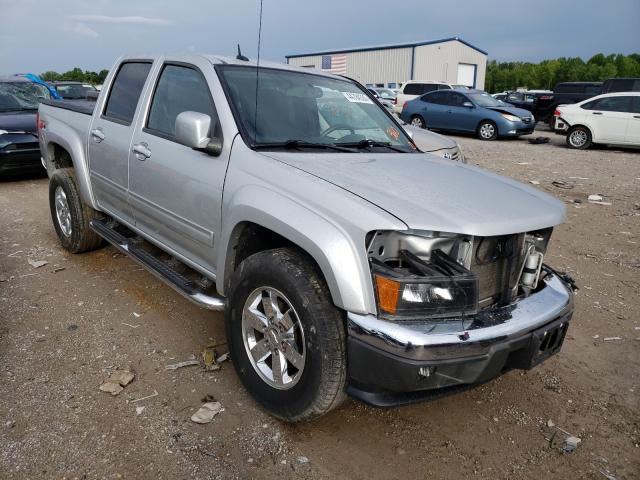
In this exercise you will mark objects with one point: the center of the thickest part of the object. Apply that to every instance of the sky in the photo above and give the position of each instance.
(39, 35)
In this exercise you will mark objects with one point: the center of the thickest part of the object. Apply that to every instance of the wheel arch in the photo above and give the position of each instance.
(61, 141)
(250, 227)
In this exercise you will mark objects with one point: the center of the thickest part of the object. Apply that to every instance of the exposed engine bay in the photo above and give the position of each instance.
(423, 273)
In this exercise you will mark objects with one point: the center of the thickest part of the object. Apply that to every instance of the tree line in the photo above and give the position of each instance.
(76, 75)
(503, 76)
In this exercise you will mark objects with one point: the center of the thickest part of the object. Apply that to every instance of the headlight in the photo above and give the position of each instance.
(511, 118)
(439, 287)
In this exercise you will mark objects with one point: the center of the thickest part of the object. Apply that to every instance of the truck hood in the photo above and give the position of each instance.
(18, 121)
(429, 193)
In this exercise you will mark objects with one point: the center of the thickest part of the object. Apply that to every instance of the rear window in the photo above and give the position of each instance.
(125, 91)
(622, 85)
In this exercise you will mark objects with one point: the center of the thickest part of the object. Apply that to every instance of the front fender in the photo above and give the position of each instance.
(340, 255)
(58, 133)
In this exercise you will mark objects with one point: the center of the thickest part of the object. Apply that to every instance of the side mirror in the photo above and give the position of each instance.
(468, 104)
(192, 130)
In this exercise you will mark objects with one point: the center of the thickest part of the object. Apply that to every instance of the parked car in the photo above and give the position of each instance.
(347, 262)
(386, 93)
(73, 90)
(36, 79)
(19, 149)
(414, 88)
(613, 118)
(385, 102)
(435, 144)
(470, 111)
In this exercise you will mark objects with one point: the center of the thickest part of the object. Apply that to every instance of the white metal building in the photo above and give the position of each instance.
(450, 60)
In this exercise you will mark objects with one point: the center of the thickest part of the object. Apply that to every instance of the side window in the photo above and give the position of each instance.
(429, 87)
(444, 87)
(413, 89)
(125, 91)
(592, 105)
(438, 98)
(456, 100)
(635, 105)
(614, 104)
(179, 89)
(593, 89)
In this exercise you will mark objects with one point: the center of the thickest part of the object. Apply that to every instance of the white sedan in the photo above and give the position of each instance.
(612, 119)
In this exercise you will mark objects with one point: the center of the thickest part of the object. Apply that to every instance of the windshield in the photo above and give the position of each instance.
(74, 91)
(386, 93)
(21, 96)
(307, 109)
(485, 100)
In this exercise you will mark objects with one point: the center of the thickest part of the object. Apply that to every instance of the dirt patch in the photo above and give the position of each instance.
(62, 333)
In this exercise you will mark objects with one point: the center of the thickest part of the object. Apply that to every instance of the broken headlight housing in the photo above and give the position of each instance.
(439, 287)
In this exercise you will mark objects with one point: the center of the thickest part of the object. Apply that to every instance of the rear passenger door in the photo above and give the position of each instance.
(176, 192)
(110, 138)
(608, 118)
(435, 113)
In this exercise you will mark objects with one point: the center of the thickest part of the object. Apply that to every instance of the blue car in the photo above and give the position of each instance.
(468, 111)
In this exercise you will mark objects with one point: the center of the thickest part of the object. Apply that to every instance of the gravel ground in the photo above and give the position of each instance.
(67, 325)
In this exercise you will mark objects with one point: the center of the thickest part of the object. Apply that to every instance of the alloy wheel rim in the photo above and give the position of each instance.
(578, 138)
(487, 130)
(273, 338)
(63, 214)
(416, 122)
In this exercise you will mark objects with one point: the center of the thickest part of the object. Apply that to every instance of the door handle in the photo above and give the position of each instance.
(636, 116)
(141, 151)
(449, 111)
(97, 134)
(597, 113)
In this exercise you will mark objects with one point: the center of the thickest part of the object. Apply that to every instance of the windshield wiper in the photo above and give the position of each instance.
(300, 144)
(367, 143)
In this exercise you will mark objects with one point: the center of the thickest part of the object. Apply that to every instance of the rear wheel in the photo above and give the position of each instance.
(70, 215)
(579, 137)
(487, 130)
(418, 121)
(286, 337)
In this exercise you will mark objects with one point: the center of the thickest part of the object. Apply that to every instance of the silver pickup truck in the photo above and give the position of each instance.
(347, 261)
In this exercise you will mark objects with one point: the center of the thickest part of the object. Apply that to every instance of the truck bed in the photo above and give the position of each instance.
(85, 107)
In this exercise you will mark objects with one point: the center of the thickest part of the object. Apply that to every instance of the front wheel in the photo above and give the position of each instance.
(286, 337)
(487, 130)
(579, 137)
(418, 121)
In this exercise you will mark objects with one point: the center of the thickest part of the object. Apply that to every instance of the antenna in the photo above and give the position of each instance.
(240, 56)
(255, 117)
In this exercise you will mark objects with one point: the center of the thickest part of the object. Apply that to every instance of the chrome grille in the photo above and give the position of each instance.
(490, 270)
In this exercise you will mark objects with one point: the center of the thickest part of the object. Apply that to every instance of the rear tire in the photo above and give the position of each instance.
(418, 121)
(70, 215)
(487, 130)
(304, 318)
(579, 137)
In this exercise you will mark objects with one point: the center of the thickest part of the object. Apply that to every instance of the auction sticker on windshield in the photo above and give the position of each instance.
(356, 97)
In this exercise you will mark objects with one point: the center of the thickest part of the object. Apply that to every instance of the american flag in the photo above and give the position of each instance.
(336, 64)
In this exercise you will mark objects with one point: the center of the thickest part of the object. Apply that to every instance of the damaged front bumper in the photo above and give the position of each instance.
(392, 363)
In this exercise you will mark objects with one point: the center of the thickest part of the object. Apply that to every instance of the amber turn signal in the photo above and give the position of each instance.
(388, 291)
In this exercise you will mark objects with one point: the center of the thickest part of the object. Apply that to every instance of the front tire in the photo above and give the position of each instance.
(286, 338)
(418, 121)
(70, 215)
(579, 137)
(487, 130)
